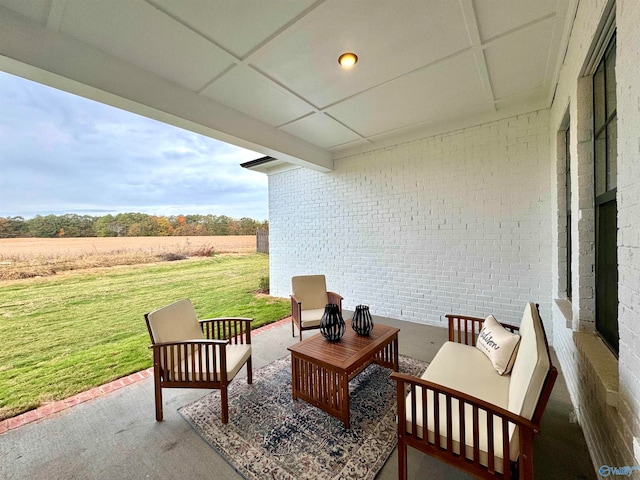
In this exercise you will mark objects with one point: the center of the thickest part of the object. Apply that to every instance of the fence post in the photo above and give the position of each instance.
(262, 241)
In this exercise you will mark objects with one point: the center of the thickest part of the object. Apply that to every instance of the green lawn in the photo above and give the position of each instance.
(62, 335)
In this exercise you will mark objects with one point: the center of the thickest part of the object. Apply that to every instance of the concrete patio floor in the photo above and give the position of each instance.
(116, 435)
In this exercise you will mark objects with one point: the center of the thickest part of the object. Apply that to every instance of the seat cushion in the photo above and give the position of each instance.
(237, 355)
(468, 370)
(175, 322)
(310, 291)
(531, 366)
(311, 318)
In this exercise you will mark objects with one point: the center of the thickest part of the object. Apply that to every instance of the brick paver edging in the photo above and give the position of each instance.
(51, 408)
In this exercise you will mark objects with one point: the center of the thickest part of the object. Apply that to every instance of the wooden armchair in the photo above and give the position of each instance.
(488, 433)
(308, 299)
(192, 353)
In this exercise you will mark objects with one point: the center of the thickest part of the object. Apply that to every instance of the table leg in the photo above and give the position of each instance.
(344, 400)
(396, 361)
(294, 377)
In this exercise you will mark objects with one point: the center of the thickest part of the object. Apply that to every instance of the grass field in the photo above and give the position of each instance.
(64, 334)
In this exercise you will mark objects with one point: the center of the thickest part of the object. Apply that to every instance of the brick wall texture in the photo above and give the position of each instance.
(472, 222)
(628, 90)
(609, 429)
(452, 223)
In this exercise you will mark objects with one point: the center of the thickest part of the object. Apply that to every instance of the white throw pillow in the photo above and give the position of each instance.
(499, 344)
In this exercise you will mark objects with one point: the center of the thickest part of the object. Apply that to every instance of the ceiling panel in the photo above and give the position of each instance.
(37, 10)
(495, 18)
(321, 130)
(528, 49)
(388, 40)
(239, 25)
(249, 92)
(239, 68)
(427, 95)
(144, 36)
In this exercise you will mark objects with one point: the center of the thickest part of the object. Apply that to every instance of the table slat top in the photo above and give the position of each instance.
(347, 351)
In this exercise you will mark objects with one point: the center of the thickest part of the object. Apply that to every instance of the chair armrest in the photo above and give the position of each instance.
(333, 297)
(198, 341)
(296, 309)
(190, 360)
(236, 329)
(442, 402)
(465, 329)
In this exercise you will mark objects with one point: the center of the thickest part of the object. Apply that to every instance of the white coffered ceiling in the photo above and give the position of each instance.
(263, 74)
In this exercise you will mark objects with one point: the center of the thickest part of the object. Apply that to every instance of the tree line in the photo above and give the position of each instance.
(126, 225)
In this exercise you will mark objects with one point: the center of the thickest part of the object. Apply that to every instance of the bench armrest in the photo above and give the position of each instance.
(442, 402)
(465, 329)
(407, 380)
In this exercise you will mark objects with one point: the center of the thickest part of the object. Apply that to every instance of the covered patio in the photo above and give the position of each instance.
(116, 435)
(479, 155)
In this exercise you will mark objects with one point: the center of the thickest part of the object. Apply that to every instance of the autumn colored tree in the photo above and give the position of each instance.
(163, 227)
(126, 224)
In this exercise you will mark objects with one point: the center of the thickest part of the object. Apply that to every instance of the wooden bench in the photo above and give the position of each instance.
(494, 416)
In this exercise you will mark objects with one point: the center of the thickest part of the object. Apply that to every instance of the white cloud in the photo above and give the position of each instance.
(60, 153)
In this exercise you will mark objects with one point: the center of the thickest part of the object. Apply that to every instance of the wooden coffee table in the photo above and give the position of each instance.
(321, 370)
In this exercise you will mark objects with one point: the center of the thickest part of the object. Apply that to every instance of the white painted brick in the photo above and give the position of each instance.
(455, 220)
(468, 222)
(609, 431)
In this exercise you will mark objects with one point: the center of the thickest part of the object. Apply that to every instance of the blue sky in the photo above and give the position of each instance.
(60, 153)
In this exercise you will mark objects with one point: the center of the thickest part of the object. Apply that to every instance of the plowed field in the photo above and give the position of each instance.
(36, 257)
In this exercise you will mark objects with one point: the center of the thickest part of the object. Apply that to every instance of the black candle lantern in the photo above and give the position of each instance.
(332, 325)
(362, 323)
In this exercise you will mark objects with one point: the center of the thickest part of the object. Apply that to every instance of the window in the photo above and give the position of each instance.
(605, 122)
(606, 211)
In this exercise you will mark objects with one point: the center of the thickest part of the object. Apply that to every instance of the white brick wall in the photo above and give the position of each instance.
(452, 223)
(628, 89)
(470, 222)
(609, 430)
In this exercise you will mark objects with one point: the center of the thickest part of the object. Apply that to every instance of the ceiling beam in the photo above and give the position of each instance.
(29, 50)
(471, 22)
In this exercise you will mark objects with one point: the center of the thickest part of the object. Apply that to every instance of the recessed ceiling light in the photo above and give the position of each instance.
(348, 60)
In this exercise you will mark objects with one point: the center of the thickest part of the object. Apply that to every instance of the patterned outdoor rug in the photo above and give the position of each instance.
(269, 435)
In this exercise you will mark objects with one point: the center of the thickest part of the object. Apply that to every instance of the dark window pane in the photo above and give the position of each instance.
(610, 65)
(612, 153)
(599, 97)
(568, 168)
(601, 164)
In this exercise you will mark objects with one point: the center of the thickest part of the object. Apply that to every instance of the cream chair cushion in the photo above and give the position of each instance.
(531, 366)
(311, 291)
(311, 318)
(174, 323)
(236, 356)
